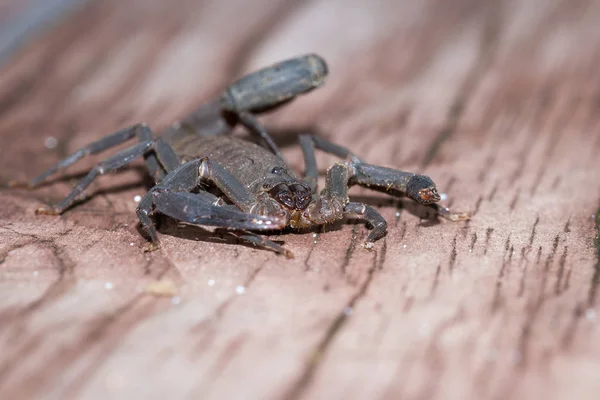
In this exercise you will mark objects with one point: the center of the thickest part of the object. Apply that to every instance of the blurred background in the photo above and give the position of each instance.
(497, 101)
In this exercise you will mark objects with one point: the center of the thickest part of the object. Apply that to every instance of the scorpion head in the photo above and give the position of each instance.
(294, 196)
(422, 189)
(283, 194)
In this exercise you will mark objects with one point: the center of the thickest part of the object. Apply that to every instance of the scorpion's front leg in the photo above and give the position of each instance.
(333, 203)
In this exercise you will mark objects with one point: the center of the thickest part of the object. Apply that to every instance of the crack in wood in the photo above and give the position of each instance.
(595, 281)
(453, 255)
(382, 255)
(497, 299)
(434, 356)
(523, 279)
(436, 280)
(473, 241)
(220, 364)
(569, 334)
(477, 205)
(493, 192)
(546, 270)
(560, 272)
(487, 47)
(403, 231)
(54, 291)
(320, 351)
(349, 250)
(515, 199)
(488, 237)
(253, 40)
(206, 327)
(490, 160)
(567, 228)
(307, 266)
(532, 236)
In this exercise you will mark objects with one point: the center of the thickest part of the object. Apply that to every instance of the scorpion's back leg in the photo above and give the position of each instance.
(96, 147)
(144, 134)
(163, 158)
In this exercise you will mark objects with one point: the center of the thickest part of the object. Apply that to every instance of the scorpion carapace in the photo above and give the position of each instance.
(206, 176)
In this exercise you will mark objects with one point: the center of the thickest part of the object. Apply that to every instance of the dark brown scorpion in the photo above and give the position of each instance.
(204, 176)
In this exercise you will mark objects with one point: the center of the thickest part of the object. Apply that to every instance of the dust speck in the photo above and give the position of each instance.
(590, 314)
(50, 142)
(163, 287)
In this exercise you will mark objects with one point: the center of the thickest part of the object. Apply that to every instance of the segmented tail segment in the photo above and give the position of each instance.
(275, 85)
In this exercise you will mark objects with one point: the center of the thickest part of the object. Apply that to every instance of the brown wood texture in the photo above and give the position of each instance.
(497, 101)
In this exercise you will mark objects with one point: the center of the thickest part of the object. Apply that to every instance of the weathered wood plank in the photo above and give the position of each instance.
(496, 100)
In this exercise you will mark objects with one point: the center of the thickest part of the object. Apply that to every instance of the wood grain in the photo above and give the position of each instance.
(497, 101)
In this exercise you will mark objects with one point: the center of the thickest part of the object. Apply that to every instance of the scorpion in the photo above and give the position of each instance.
(205, 176)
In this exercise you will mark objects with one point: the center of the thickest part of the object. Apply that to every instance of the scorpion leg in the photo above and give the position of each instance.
(163, 153)
(233, 189)
(335, 195)
(183, 178)
(369, 214)
(166, 155)
(160, 161)
(309, 143)
(96, 147)
(111, 164)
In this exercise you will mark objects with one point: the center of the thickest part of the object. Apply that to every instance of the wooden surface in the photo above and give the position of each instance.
(497, 101)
